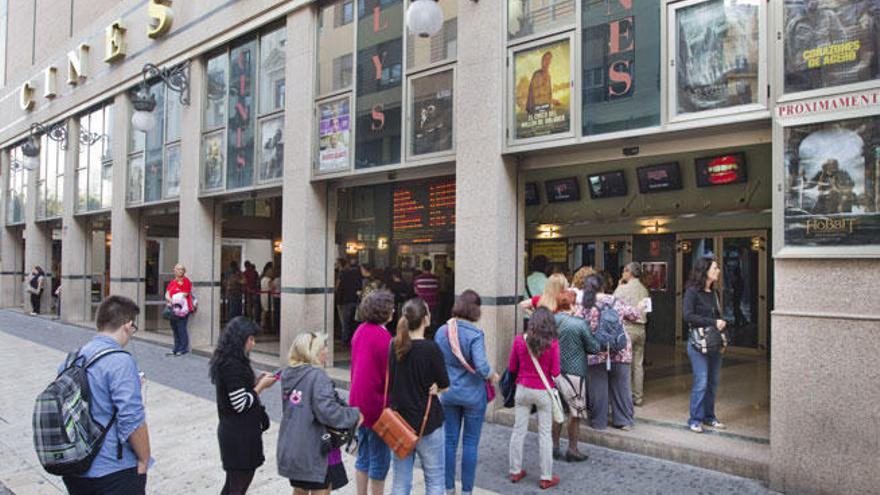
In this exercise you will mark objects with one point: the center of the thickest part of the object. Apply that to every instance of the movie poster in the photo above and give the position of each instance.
(432, 114)
(213, 160)
(271, 149)
(655, 275)
(542, 78)
(334, 135)
(832, 191)
(717, 55)
(830, 42)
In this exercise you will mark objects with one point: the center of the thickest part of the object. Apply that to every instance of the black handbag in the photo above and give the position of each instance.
(709, 339)
(508, 388)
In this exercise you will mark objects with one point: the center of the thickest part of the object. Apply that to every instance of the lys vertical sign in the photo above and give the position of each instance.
(621, 48)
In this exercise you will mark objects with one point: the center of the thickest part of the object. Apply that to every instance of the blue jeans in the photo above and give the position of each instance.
(431, 452)
(707, 372)
(374, 456)
(181, 335)
(473, 427)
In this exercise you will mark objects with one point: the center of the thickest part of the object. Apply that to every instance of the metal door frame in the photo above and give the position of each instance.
(763, 284)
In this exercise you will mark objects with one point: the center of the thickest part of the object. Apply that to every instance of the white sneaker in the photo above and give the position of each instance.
(697, 428)
(718, 425)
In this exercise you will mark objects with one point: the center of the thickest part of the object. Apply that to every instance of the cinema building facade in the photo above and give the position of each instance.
(592, 132)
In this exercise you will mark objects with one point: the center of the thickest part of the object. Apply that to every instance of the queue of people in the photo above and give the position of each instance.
(254, 294)
(575, 354)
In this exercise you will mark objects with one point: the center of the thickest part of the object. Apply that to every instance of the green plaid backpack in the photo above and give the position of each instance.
(66, 436)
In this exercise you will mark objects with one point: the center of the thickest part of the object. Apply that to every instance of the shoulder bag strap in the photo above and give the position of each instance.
(455, 344)
(387, 373)
(425, 418)
(105, 352)
(538, 368)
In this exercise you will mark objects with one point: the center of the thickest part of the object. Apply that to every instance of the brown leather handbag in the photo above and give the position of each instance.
(393, 429)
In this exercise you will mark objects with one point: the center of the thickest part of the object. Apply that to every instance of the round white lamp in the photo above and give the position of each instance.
(424, 18)
(144, 103)
(31, 154)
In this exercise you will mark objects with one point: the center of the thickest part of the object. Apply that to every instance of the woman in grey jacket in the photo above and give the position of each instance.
(310, 406)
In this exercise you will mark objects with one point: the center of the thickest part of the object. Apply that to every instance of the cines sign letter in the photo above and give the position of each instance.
(77, 63)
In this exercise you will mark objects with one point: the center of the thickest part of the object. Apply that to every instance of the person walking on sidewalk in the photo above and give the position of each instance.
(36, 281)
(427, 286)
(633, 292)
(369, 363)
(417, 374)
(701, 309)
(120, 467)
(541, 342)
(576, 341)
(464, 404)
(178, 297)
(312, 409)
(243, 418)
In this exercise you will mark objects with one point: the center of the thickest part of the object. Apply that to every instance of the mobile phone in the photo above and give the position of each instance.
(277, 374)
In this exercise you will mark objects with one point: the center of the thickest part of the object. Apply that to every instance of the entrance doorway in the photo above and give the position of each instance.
(743, 259)
(605, 254)
(161, 253)
(98, 262)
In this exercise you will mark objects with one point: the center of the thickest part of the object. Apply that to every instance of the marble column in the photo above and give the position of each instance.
(127, 252)
(11, 247)
(199, 226)
(306, 273)
(75, 241)
(487, 237)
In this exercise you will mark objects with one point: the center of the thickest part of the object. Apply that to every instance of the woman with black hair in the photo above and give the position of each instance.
(540, 345)
(701, 310)
(35, 288)
(243, 418)
(417, 373)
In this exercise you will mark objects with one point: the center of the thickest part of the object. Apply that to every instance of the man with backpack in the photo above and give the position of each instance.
(89, 424)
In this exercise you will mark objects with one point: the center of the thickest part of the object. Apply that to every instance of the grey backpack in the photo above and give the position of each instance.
(66, 436)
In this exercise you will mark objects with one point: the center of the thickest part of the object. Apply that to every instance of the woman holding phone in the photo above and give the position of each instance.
(243, 418)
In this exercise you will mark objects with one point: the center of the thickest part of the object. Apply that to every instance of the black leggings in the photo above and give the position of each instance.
(35, 303)
(237, 482)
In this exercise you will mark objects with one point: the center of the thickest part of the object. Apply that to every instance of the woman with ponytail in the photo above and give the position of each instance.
(417, 374)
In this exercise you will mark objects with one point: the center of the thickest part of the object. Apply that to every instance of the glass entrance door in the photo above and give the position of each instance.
(607, 254)
(742, 257)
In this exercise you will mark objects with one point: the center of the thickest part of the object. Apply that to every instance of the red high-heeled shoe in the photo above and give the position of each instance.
(545, 484)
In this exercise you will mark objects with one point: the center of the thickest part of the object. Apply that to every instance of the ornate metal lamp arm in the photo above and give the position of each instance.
(176, 78)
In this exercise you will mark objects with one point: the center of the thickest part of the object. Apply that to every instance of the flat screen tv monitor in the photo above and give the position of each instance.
(659, 178)
(561, 190)
(720, 170)
(607, 184)
(532, 198)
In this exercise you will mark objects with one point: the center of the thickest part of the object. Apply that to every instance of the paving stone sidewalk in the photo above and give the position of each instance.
(182, 416)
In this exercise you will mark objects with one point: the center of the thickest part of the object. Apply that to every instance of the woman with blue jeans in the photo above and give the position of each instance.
(464, 404)
(178, 297)
(701, 310)
(417, 374)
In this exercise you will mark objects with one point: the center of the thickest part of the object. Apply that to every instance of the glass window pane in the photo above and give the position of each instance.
(543, 90)
(334, 135)
(832, 196)
(442, 46)
(240, 167)
(213, 160)
(94, 182)
(531, 17)
(172, 171)
(215, 106)
(621, 66)
(829, 43)
(379, 61)
(172, 116)
(58, 198)
(155, 145)
(272, 55)
(107, 185)
(717, 55)
(335, 45)
(271, 148)
(82, 188)
(432, 105)
(107, 132)
(135, 185)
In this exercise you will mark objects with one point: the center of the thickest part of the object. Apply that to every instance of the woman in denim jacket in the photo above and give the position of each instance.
(465, 401)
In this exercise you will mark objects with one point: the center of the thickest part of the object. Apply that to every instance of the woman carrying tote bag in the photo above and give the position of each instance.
(417, 374)
(538, 346)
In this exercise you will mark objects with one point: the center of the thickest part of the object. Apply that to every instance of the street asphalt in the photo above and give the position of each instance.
(606, 471)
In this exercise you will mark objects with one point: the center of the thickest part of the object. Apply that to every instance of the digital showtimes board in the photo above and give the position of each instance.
(424, 211)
